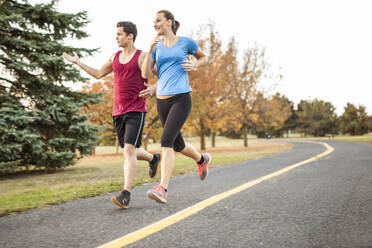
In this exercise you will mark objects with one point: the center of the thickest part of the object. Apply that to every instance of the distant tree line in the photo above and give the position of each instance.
(228, 100)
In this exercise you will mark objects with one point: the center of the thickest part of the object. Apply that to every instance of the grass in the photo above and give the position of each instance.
(195, 141)
(103, 173)
(367, 138)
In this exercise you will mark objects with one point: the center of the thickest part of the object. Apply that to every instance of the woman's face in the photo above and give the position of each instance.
(161, 24)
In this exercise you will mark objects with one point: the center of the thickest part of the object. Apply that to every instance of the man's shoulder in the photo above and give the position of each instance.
(112, 57)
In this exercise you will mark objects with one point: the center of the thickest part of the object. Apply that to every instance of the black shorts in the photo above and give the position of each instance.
(129, 128)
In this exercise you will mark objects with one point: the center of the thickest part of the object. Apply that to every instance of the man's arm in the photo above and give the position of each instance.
(96, 73)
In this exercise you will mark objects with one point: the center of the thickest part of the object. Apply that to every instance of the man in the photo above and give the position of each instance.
(129, 108)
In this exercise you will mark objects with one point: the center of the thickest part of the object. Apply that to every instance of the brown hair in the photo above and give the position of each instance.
(169, 16)
(128, 28)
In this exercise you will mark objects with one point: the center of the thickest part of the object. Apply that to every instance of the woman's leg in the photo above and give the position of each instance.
(180, 108)
(191, 152)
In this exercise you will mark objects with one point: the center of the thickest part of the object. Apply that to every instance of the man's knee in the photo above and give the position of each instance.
(129, 150)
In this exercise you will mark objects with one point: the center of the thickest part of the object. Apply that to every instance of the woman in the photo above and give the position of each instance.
(170, 54)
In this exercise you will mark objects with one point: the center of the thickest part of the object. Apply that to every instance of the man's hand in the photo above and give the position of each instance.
(73, 59)
(149, 91)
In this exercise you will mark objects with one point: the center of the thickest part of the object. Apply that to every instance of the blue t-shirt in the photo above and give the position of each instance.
(172, 78)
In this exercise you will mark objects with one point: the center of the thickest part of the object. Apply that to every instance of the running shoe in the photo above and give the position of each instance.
(154, 165)
(158, 194)
(122, 200)
(203, 168)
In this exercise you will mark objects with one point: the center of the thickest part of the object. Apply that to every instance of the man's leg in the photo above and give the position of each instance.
(130, 166)
(122, 199)
(142, 154)
(153, 160)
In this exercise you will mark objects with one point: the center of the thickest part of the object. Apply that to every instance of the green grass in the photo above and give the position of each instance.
(101, 174)
(367, 138)
(195, 141)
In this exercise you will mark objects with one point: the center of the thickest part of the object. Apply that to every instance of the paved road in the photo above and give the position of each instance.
(325, 203)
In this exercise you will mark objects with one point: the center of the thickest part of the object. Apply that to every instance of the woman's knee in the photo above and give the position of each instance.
(179, 146)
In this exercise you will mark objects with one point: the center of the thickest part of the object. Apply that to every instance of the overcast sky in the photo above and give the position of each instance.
(323, 47)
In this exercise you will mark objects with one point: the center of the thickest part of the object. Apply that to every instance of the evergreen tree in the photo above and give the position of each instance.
(40, 118)
(316, 117)
(354, 121)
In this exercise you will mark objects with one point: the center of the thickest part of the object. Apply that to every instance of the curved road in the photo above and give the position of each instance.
(324, 203)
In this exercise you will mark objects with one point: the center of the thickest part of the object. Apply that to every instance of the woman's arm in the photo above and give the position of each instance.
(149, 91)
(190, 65)
(149, 62)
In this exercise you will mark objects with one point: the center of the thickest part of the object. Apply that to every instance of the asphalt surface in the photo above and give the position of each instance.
(325, 203)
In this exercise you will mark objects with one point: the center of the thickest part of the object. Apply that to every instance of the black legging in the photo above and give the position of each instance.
(173, 113)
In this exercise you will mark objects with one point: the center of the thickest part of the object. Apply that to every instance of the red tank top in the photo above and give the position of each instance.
(128, 82)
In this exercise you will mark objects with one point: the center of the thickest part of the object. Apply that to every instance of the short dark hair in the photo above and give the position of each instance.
(128, 28)
(169, 16)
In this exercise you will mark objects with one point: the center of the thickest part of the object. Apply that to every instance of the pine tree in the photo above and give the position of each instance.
(354, 120)
(41, 124)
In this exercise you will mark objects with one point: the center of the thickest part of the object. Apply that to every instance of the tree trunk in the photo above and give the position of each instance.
(117, 145)
(245, 136)
(145, 142)
(202, 137)
(213, 139)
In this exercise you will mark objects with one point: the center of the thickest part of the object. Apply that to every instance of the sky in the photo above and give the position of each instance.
(323, 47)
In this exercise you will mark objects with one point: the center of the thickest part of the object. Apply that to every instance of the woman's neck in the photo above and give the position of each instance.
(169, 39)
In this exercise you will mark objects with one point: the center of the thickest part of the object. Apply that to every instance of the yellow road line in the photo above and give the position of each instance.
(150, 229)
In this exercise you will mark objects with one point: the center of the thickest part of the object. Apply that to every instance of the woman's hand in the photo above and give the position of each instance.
(149, 91)
(154, 42)
(189, 64)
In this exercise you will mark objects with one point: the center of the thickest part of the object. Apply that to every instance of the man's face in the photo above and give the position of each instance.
(122, 38)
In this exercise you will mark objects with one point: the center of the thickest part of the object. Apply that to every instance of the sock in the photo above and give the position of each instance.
(201, 160)
(153, 159)
(125, 192)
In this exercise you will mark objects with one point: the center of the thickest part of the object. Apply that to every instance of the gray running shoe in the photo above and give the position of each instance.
(122, 200)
